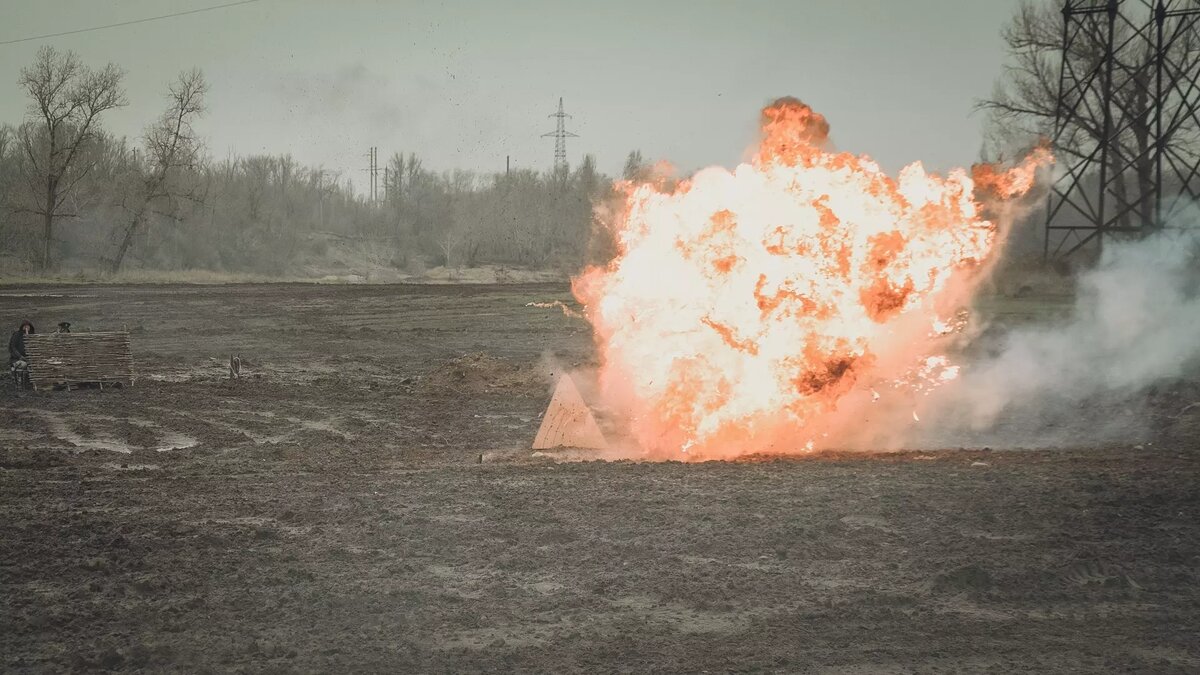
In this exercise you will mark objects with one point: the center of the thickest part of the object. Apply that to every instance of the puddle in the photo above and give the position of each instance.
(325, 425)
(62, 430)
(168, 440)
(129, 467)
(176, 441)
(175, 378)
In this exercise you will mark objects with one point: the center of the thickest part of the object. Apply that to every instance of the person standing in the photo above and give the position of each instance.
(18, 361)
(16, 343)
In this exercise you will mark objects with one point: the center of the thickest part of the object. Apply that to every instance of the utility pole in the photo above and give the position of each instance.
(372, 172)
(560, 135)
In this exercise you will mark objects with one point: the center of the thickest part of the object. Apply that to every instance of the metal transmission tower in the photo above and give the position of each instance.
(1127, 120)
(560, 135)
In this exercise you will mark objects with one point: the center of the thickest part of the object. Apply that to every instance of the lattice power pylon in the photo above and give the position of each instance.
(560, 135)
(1127, 125)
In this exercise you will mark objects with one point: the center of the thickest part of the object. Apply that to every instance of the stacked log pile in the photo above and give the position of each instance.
(79, 358)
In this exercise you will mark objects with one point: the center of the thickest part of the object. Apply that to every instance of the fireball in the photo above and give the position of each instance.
(768, 309)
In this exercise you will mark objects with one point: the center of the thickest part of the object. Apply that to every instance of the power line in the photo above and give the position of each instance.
(128, 23)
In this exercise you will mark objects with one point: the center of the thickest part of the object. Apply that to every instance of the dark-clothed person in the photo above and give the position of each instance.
(16, 343)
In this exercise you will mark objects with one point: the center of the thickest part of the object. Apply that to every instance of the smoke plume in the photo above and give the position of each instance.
(1135, 322)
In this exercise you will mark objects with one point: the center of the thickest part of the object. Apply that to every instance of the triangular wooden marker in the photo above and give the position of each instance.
(568, 421)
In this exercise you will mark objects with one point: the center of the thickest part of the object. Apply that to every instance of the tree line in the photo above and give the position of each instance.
(74, 196)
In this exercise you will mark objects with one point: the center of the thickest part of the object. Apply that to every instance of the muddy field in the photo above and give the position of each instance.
(329, 512)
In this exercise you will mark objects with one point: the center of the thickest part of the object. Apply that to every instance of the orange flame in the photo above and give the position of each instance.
(760, 310)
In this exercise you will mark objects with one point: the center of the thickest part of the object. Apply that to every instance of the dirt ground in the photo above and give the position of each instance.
(329, 512)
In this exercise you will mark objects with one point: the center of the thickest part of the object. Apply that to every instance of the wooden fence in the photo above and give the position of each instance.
(70, 359)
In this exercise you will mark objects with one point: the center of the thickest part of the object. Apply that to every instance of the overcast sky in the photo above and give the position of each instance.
(463, 84)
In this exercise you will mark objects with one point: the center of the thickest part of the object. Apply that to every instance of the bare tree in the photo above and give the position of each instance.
(6, 137)
(67, 99)
(172, 148)
(449, 241)
(395, 178)
(636, 168)
(8, 235)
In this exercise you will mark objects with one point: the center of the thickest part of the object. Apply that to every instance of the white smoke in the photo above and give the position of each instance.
(1135, 323)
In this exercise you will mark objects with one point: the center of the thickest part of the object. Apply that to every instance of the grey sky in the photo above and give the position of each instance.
(465, 83)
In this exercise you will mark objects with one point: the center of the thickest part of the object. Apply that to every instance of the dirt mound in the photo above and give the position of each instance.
(481, 373)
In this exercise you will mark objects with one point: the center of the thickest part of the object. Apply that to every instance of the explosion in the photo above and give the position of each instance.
(769, 309)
